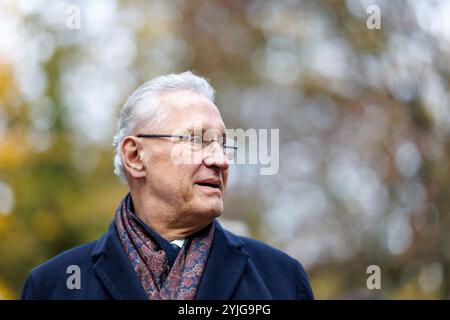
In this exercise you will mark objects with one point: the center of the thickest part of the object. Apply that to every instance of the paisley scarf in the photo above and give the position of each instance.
(150, 262)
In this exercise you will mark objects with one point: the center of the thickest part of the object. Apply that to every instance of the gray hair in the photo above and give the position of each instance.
(143, 107)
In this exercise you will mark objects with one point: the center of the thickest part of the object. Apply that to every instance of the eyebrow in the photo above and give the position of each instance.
(192, 130)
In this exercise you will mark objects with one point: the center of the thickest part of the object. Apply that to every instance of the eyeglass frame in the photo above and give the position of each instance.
(182, 136)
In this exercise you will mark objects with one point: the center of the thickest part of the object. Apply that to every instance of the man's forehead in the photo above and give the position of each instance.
(189, 110)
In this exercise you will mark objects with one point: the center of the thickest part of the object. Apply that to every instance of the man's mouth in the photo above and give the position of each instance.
(211, 184)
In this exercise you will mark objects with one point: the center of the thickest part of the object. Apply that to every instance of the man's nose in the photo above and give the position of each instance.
(214, 156)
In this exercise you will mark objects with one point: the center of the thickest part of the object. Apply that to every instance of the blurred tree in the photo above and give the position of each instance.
(364, 119)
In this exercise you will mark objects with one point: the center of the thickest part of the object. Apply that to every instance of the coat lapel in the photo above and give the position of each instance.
(114, 270)
(225, 266)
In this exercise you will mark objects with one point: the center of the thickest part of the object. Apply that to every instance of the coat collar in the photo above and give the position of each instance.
(114, 269)
(224, 268)
(226, 263)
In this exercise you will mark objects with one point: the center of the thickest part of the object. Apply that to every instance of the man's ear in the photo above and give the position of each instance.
(132, 157)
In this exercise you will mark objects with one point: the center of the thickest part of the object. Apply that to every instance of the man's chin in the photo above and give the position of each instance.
(210, 209)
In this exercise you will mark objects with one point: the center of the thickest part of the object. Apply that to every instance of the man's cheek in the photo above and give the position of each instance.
(184, 186)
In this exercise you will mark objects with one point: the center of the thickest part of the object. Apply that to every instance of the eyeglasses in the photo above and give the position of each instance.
(200, 142)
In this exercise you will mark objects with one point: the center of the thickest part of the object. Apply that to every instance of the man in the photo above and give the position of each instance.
(165, 241)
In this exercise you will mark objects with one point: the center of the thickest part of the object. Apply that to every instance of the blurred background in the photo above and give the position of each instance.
(364, 119)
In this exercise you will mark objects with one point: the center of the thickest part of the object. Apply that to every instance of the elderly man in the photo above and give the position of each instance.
(165, 241)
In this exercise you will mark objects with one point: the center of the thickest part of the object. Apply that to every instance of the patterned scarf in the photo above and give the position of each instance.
(150, 262)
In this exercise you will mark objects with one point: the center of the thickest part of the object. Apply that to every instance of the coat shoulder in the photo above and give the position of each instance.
(275, 264)
(51, 275)
(78, 255)
(258, 249)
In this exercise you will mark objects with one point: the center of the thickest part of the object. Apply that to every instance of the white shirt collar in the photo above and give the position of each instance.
(179, 243)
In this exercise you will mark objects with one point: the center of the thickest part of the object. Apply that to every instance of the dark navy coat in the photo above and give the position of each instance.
(237, 268)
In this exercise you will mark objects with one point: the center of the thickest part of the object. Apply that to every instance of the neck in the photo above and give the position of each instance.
(165, 221)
